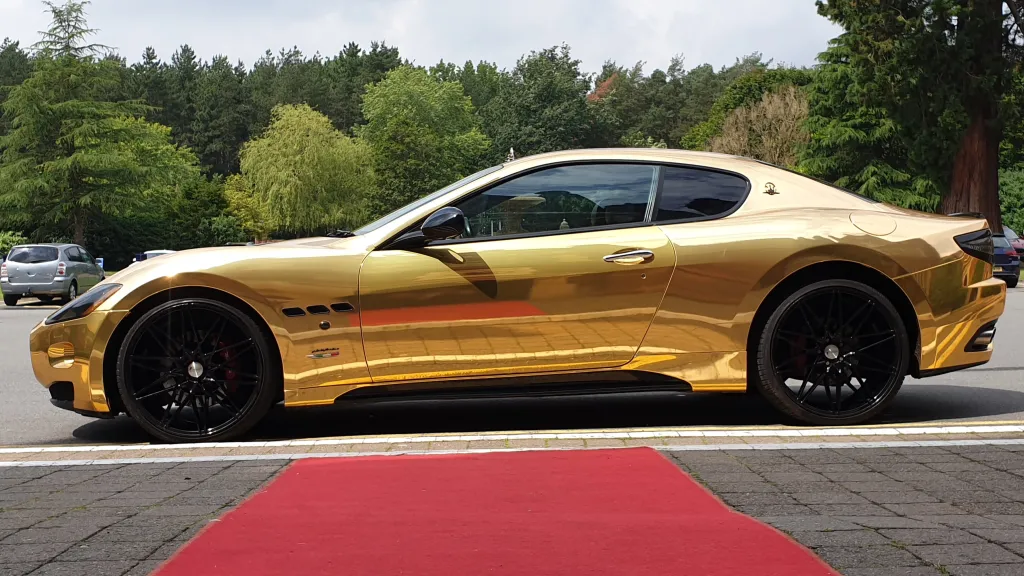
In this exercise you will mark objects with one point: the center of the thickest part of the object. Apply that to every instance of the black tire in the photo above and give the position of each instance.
(72, 292)
(831, 353)
(226, 395)
(1012, 282)
(11, 300)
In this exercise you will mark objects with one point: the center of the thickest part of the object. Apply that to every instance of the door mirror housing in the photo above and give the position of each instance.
(444, 224)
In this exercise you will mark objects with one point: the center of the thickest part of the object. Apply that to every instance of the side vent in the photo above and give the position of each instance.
(342, 307)
(318, 310)
(293, 312)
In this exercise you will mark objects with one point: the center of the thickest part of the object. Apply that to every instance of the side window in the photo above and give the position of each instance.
(73, 254)
(86, 257)
(694, 194)
(562, 198)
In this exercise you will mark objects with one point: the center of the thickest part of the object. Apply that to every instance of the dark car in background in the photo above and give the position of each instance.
(48, 271)
(1015, 240)
(1006, 261)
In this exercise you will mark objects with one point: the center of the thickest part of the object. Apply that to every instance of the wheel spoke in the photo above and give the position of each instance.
(225, 401)
(803, 314)
(873, 344)
(245, 344)
(220, 324)
(881, 366)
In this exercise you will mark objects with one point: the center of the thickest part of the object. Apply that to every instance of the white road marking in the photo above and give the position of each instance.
(548, 435)
(684, 448)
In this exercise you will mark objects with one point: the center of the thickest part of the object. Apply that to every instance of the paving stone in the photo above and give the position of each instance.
(119, 533)
(106, 568)
(962, 496)
(894, 571)
(826, 468)
(884, 486)
(850, 510)
(909, 497)
(1015, 547)
(806, 523)
(743, 487)
(986, 508)
(857, 477)
(946, 554)
(830, 497)
(842, 557)
(17, 569)
(14, 553)
(788, 477)
(50, 535)
(962, 521)
(774, 510)
(1000, 535)
(986, 570)
(888, 522)
(814, 539)
(919, 536)
(166, 551)
(1016, 519)
(925, 509)
(179, 510)
(101, 551)
(754, 498)
(144, 568)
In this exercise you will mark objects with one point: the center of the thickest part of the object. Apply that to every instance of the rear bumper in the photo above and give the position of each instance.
(951, 341)
(55, 288)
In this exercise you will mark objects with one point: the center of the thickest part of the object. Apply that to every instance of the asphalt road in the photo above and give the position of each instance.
(991, 392)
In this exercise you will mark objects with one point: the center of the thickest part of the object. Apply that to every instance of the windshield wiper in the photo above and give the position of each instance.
(340, 234)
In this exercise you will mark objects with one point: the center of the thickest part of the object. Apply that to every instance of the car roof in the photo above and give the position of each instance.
(45, 244)
(643, 154)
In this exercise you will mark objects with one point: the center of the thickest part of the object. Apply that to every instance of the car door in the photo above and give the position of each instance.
(91, 267)
(559, 271)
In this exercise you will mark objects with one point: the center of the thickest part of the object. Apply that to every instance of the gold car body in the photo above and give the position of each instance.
(550, 304)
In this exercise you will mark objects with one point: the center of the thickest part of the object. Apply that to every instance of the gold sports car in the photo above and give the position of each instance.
(589, 271)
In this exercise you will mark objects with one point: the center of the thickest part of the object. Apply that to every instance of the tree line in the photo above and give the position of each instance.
(919, 103)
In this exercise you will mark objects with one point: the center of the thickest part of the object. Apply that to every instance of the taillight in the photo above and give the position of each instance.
(3, 270)
(977, 244)
(61, 268)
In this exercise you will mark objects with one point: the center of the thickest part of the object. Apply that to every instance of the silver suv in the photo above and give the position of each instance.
(48, 271)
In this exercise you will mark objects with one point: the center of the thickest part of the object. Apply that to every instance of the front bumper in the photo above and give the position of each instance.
(72, 353)
(55, 288)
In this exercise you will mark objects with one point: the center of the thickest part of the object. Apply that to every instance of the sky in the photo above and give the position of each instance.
(427, 31)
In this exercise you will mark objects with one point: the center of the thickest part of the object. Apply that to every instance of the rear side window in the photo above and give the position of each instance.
(32, 254)
(694, 194)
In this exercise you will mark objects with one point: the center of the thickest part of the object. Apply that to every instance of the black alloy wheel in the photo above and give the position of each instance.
(196, 370)
(834, 352)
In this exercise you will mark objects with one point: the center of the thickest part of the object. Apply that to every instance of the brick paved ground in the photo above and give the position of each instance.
(883, 512)
(955, 510)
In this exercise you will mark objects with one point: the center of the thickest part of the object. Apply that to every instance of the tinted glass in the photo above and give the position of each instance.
(562, 198)
(1000, 242)
(692, 194)
(425, 200)
(32, 254)
(86, 257)
(1010, 234)
(73, 255)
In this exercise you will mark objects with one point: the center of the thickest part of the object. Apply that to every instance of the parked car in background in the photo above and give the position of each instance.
(1006, 263)
(48, 271)
(1015, 240)
(150, 254)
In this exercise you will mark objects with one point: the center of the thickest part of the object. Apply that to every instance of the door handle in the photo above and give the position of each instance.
(634, 257)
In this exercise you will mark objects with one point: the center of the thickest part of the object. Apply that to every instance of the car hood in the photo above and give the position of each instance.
(208, 259)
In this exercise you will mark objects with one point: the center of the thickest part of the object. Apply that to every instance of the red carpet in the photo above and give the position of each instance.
(525, 513)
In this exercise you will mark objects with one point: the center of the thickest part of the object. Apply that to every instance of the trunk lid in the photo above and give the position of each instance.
(32, 264)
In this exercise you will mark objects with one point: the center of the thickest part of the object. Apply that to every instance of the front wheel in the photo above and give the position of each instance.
(195, 370)
(833, 353)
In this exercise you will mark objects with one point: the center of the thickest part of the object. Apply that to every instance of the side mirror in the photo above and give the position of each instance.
(444, 224)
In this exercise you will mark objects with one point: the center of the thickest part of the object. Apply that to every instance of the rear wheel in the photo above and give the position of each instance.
(835, 352)
(72, 292)
(11, 300)
(196, 370)
(1012, 282)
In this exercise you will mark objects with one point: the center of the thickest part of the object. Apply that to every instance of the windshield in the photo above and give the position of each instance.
(425, 200)
(32, 254)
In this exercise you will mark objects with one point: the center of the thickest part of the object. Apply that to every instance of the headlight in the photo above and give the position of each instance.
(84, 305)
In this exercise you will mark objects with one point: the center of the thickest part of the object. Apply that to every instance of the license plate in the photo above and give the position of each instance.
(997, 269)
